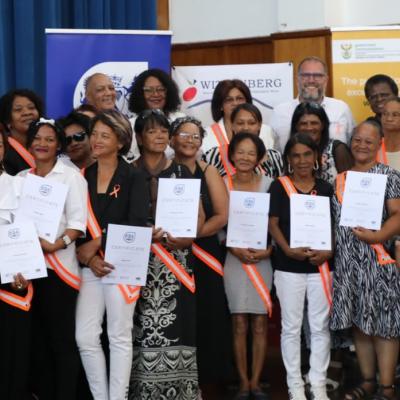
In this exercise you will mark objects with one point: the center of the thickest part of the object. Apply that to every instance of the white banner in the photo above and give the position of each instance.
(270, 84)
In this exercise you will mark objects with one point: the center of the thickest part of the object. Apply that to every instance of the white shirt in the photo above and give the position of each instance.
(75, 210)
(339, 114)
(10, 191)
(210, 141)
(134, 152)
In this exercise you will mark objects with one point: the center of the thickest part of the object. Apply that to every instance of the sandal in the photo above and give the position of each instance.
(380, 396)
(258, 394)
(359, 393)
(244, 395)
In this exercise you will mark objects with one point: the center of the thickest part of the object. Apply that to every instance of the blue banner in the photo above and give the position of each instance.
(74, 55)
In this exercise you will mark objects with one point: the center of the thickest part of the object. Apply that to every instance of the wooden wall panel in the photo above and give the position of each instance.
(294, 46)
(240, 51)
(163, 15)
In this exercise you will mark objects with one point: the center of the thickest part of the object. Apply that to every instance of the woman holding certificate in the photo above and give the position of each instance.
(301, 272)
(55, 297)
(241, 265)
(117, 195)
(15, 303)
(165, 315)
(366, 284)
(212, 358)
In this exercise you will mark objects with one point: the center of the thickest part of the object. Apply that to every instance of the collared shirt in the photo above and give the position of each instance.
(210, 141)
(339, 114)
(75, 210)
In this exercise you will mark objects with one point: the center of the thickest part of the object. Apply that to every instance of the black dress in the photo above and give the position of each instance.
(164, 362)
(213, 319)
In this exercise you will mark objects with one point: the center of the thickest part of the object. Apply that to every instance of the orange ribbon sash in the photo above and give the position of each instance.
(21, 302)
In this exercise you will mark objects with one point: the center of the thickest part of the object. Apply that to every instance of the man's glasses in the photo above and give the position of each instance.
(76, 137)
(315, 76)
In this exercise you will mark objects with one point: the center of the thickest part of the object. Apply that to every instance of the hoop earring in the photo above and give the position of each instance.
(316, 166)
(290, 169)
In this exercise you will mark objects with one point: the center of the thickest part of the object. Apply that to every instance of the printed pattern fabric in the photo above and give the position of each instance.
(365, 293)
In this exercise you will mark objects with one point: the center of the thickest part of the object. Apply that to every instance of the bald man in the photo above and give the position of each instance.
(100, 92)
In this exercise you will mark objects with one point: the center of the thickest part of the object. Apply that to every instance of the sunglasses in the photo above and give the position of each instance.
(76, 137)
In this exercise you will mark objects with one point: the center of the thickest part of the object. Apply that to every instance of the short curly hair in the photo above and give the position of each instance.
(7, 100)
(137, 102)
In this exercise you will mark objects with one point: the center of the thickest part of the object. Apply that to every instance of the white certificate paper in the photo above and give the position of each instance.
(248, 220)
(363, 199)
(42, 201)
(20, 252)
(178, 206)
(310, 222)
(128, 250)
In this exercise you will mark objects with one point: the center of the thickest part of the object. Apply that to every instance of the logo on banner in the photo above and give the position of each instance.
(179, 189)
(129, 237)
(13, 233)
(190, 92)
(249, 202)
(346, 50)
(122, 74)
(45, 190)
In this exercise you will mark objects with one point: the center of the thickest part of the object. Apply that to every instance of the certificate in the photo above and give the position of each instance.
(20, 252)
(248, 220)
(363, 198)
(42, 201)
(310, 222)
(178, 206)
(128, 250)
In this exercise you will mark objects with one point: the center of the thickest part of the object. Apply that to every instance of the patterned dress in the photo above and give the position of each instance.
(328, 169)
(164, 365)
(365, 293)
(272, 167)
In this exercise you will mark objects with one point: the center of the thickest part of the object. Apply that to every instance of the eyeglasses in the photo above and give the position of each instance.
(315, 76)
(237, 99)
(150, 90)
(77, 137)
(196, 137)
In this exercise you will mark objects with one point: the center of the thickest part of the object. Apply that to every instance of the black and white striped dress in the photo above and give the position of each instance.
(365, 293)
(271, 167)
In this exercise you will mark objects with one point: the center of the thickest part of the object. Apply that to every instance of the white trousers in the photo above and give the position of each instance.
(94, 299)
(291, 289)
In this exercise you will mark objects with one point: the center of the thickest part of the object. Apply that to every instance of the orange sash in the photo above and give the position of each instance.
(22, 151)
(23, 303)
(207, 259)
(256, 279)
(223, 150)
(324, 271)
(130, 293)
(382, 255)
(166, 257)
(381, 157)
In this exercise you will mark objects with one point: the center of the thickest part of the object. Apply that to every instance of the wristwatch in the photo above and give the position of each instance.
(67, 241)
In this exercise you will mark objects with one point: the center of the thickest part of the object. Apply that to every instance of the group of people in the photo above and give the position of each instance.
(178, 334)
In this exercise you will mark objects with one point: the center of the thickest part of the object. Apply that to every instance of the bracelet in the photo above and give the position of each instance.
(90, 259)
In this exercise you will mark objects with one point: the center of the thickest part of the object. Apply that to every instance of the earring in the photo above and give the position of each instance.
(290, 169)
(316, 166)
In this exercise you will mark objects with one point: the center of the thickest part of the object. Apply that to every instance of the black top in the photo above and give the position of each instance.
(280, 207)
(129, 206)
(13, 162)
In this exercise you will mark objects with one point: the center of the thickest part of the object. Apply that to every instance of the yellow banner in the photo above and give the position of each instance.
(357, 55)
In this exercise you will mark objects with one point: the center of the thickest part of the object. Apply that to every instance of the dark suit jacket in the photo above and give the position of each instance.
(130, 206)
